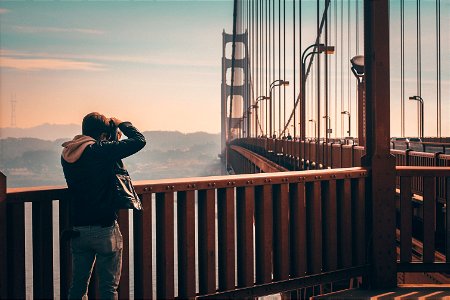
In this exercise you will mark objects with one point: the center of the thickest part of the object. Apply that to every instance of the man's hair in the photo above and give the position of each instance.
(94, 124)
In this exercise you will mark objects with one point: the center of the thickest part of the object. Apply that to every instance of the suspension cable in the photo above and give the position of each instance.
(349, 94)
(300, 51)
(295, 119)
(335, 70)
(279, 58)
(342, 67)
(232, 66)
(419, 64)
(402, 65)
(438, 67)
(298, 97)
(284, 60)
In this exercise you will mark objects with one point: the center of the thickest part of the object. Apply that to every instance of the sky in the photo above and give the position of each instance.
(155, 63)
(158, 63)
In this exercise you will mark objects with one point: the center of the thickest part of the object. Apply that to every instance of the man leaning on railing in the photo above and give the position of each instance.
(88, 163)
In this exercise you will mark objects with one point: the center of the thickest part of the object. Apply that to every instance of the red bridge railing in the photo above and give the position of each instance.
(284, 230)
(423, 258)
(301, 155)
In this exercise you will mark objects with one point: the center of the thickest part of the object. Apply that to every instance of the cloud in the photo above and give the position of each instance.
(151, 59)
(31, 29)
(35, 64)
(4, 11)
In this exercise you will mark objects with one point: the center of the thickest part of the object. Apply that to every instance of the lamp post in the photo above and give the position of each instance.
(278, 82)
(315, 127)
(349, 121)
(258, 99)
(358, 70)
(420, 99)
(320, 49)
(328, 129)
(247, 114)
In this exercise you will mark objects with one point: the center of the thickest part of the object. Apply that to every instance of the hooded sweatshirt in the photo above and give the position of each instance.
(73, 149)
(88, 167)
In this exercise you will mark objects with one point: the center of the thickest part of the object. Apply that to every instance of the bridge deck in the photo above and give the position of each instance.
(416, 291)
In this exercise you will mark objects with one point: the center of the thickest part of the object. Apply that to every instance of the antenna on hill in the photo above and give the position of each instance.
(13, 110)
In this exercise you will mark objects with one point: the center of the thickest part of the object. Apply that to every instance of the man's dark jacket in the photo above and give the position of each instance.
(88, 166)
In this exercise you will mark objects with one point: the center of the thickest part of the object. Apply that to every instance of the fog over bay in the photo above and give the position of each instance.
(31, 157)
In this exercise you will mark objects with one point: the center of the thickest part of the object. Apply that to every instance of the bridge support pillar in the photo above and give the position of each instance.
(381, 185)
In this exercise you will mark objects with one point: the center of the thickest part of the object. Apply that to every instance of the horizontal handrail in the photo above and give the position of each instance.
(422, 171)
(32, 194)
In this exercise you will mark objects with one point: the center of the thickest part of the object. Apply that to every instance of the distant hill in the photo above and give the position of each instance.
(29, 161)
(166, 140)
(49, 132)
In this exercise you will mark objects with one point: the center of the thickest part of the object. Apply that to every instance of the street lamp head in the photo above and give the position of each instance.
(358, 65)
(260, 98)
(310, 120)
(345, 112)
(278, 82)
(414, 98)
(321, 48)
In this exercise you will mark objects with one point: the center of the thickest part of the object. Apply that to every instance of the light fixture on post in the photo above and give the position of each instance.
(258, 99)
(358, 66)
(315, 127)
(329, 130)
(359, 71)
(349, 121)
(278, 82)
(320, 48)
(420, 99)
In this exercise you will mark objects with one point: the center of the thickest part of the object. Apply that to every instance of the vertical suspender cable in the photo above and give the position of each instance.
(335, 70)
(300, 61)
(268, 115)
(330, 104)
(318, 76)
(273, 62)
(326, 86)
(357, 53)
(232, 66)
(273, 52)
(349, 94)
(419, 64)
(269, 56)
(438, 67)
(293, 37)
(279, 57)
(257, 58)
(284, 58)
(402, 65)
(260, 43)
(342, 66)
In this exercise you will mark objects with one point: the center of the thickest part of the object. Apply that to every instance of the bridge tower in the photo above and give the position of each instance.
(241, 90)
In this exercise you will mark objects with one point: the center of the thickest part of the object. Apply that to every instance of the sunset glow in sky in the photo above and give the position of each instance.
(157, 64)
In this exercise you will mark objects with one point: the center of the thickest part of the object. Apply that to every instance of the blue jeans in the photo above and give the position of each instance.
(100, 245)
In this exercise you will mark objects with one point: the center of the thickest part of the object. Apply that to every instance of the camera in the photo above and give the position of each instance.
(114, 133)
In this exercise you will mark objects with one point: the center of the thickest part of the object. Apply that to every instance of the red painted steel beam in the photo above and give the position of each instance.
(381, 187)
(419, 171)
